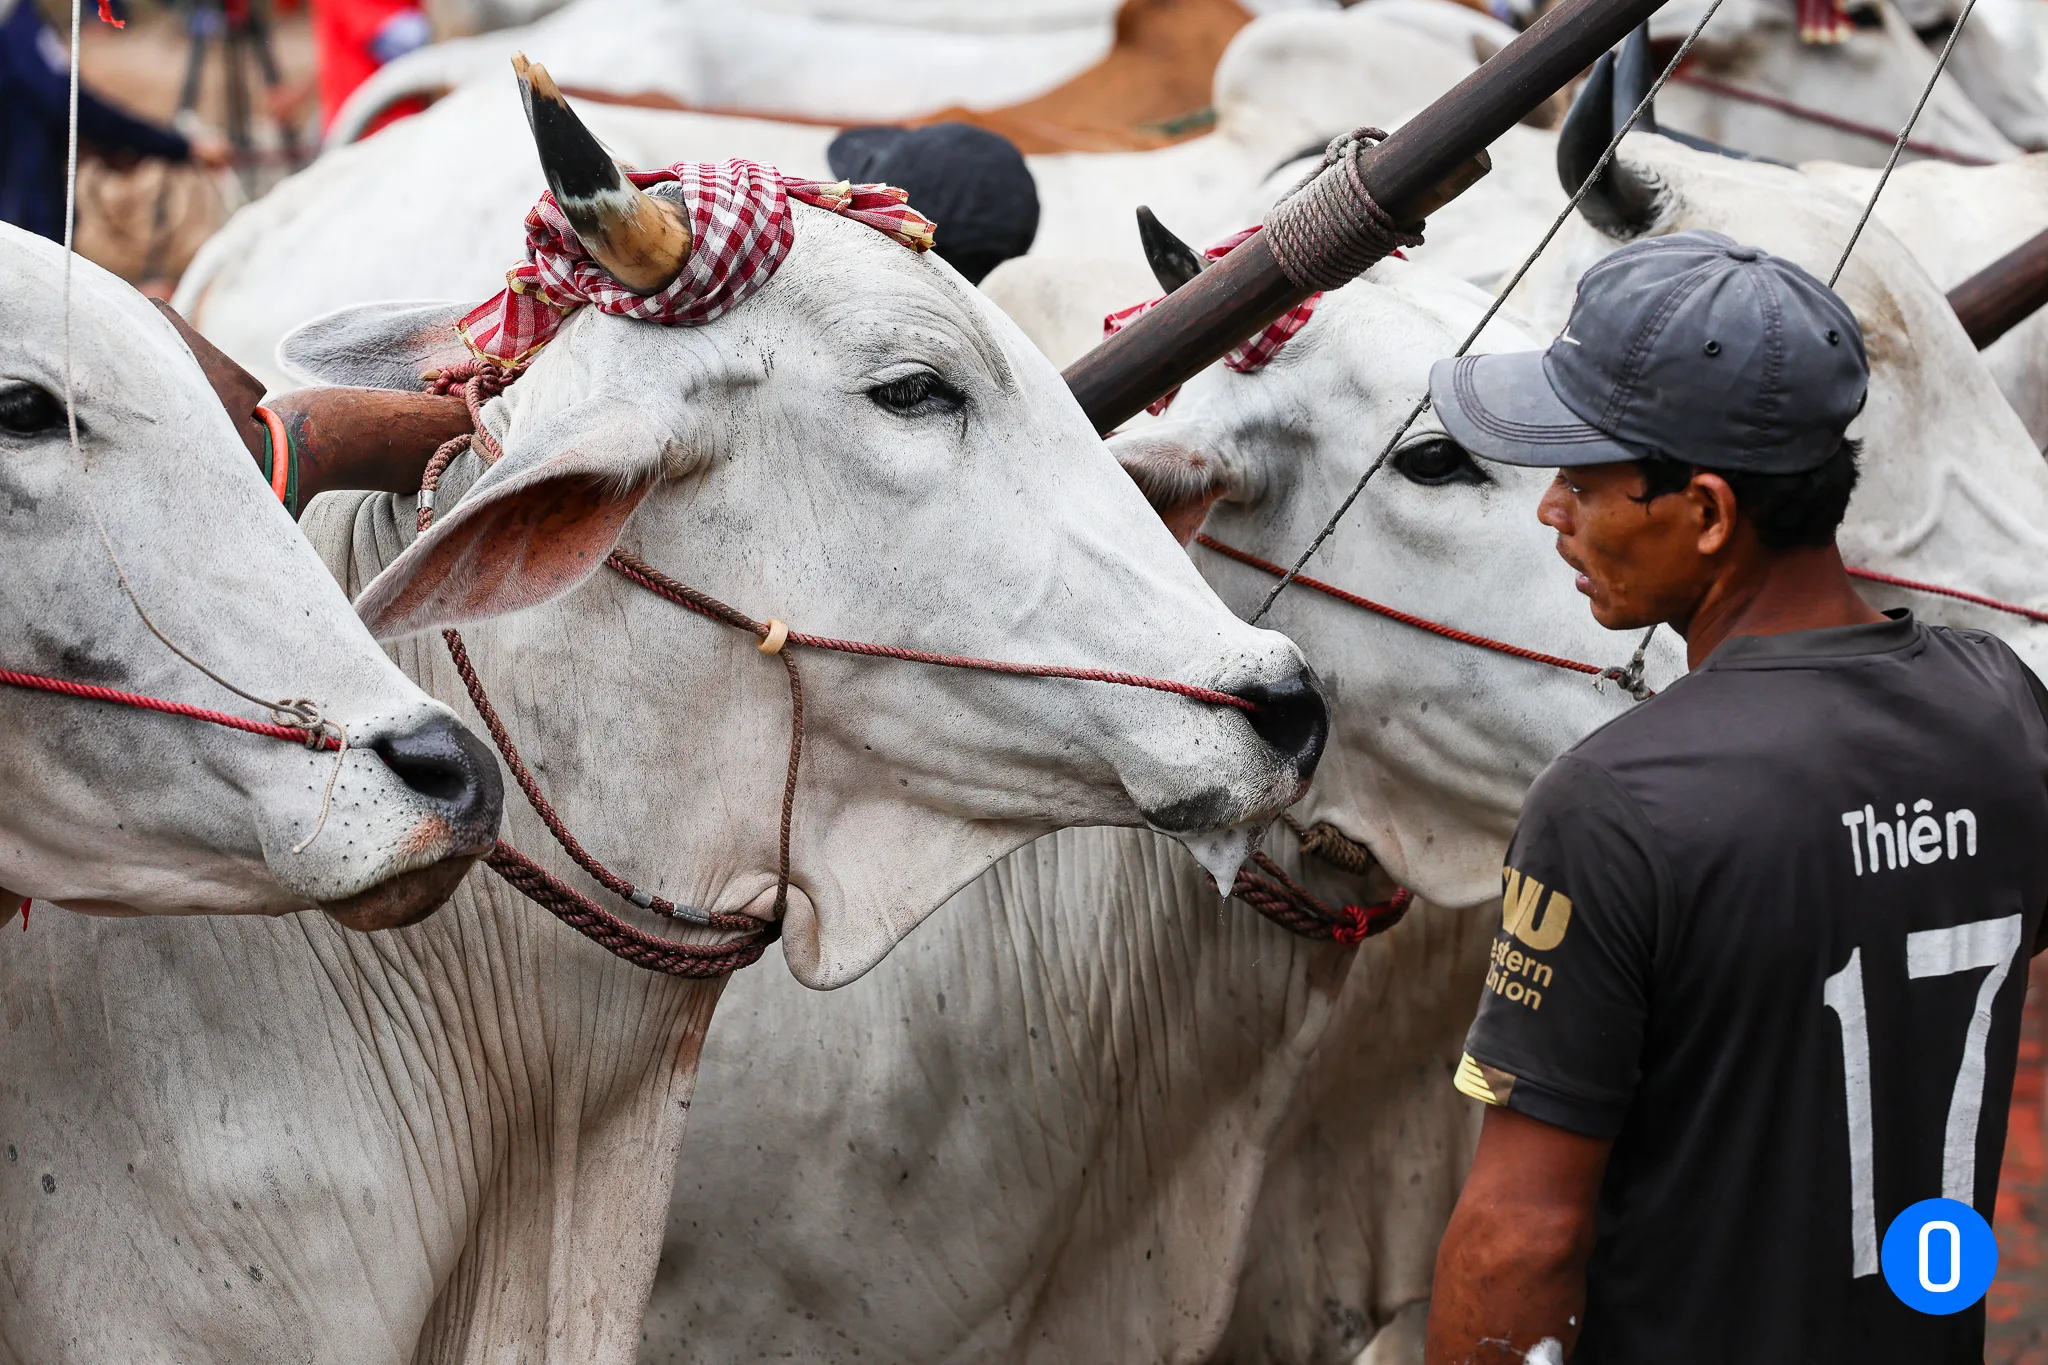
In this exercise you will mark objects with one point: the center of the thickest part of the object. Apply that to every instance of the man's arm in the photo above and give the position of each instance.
(341, 437)
(1511, 1272)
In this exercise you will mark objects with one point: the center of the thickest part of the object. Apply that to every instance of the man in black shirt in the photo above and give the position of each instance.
(1763, 942)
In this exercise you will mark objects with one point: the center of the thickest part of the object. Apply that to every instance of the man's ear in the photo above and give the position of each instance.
(1717, 510)
(375, 345)
(1178, 475)
(536, 525)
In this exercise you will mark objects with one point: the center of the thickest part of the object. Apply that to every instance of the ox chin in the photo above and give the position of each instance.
(404, 899)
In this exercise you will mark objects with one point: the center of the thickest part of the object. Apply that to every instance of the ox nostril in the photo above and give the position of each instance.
(456, 773)
(1291, 716)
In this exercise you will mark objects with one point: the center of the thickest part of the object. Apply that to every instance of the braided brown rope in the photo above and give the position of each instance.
(1330, 230)
(600, 926)
(1327, 844)
(1267, 888)
(479, 383)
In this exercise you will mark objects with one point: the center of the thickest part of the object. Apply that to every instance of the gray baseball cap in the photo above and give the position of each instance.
(1694, 346)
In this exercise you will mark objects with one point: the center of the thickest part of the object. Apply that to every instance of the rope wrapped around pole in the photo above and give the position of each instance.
(1331, 230)
(1426, 162)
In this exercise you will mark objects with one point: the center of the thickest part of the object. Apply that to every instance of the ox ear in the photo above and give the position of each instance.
(375, 345)
(536, 525)
(1173, 467)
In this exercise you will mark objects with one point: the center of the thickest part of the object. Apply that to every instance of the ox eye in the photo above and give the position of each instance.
(920, 391)
(27, 410)
(1437, 460)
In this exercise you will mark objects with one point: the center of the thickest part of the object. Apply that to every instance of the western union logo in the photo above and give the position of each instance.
(1487, 1084)
(1525, 914)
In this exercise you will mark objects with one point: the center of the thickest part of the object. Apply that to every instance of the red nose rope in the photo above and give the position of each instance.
(478, 382)
(1630, 678)
(303, 734)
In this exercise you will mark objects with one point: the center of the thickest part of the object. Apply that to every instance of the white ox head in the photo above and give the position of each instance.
(868, 449)
(1432, 742)
(115, 810)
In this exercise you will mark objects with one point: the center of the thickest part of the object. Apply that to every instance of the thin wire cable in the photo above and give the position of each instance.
(70, 223)
(1499, 300)
(1899, 146)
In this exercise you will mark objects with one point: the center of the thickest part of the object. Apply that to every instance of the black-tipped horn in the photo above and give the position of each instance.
(1173, 261)
(1624, 200)
(641, 241)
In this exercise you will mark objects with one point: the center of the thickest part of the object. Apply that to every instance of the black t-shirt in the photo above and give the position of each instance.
(1769, 932)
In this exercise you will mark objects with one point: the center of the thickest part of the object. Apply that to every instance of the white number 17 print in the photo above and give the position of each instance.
(1992, 943)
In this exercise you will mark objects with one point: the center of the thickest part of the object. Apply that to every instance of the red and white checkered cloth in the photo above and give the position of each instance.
(1824, 21)
(740, 229)
(1254, 353)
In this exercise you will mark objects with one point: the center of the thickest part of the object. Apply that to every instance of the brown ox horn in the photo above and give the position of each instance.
(640, 241)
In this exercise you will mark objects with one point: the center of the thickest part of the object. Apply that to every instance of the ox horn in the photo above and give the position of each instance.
(641, 241)
(1173, 261)
(1624, 200)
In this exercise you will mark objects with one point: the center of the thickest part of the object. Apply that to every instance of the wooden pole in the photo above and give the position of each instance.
(2005, 293)
(1246, 290)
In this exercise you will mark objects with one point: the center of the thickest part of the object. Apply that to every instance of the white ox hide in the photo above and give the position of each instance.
(1068, 1176)
(1040, 1131)
(128, 812)
(265, 1141)
(398, 217)
(1957, 220)
(852, 60)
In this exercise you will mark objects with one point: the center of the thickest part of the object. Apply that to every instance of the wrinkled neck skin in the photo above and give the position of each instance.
(1366, 1168)
(1043, 1123)
(431, 1144)
(1953, 491)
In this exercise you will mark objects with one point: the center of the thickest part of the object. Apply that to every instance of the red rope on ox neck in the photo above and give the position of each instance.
(316, 739)
(1820, 116)
(661, 585)
(2011, 608)
(1463, 637)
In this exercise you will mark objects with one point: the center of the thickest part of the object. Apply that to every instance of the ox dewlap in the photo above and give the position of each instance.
(1769, 931)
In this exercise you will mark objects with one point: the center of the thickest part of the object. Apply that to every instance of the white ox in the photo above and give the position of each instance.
(860, 61)
(265, 1141)
(1032, 1137)
(127, 812)
(399, 216)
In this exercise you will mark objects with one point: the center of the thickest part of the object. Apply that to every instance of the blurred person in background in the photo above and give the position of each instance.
(355, 37)
(35, 84)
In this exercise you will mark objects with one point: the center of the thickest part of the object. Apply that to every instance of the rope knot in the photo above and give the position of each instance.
(1329, 229)
(1629, 677)
(1357, 923)
(487, 376)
